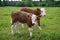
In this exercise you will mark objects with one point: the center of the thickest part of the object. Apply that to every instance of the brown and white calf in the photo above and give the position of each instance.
(37, 12)
(22, 17)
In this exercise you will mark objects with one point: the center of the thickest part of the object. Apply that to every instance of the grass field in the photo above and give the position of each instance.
(50, 25)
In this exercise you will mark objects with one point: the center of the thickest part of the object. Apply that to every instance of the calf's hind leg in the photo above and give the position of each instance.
(16, 26)
(12, 29)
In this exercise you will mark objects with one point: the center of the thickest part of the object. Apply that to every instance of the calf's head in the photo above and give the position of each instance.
(43, 13)
(33, 18)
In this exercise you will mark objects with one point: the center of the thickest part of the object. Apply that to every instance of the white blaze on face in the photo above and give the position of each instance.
(33, 18)
(43, 12)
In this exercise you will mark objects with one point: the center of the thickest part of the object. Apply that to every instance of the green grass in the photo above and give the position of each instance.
(50, 25)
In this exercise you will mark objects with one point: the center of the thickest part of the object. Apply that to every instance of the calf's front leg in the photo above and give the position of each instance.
(38, 21)
(22, 25)
(30, 30)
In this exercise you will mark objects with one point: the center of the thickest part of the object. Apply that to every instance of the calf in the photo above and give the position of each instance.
(22, 17)
(37, 12)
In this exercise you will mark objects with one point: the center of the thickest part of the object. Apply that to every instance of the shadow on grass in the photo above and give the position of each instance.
(44, 25)
(26, 36)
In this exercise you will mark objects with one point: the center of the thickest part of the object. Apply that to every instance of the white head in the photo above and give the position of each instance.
(43, 13)
(33, 18)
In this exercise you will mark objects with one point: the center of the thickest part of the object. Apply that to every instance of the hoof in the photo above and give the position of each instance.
(12, 34)
(18, 32)
(40, 28)
(31, 36)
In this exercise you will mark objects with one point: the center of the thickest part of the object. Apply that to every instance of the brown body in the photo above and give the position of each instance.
(37, 12)
(23, 17)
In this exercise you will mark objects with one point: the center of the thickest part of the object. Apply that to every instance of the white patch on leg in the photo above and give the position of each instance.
(39, 28)
(12, 29)
(22, 25)
(30, 30)
(16, 26)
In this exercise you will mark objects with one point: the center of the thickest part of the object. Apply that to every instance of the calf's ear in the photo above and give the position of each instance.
(28, 15)
(38, 9)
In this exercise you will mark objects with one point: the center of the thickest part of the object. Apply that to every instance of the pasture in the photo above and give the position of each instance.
(50, 25)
